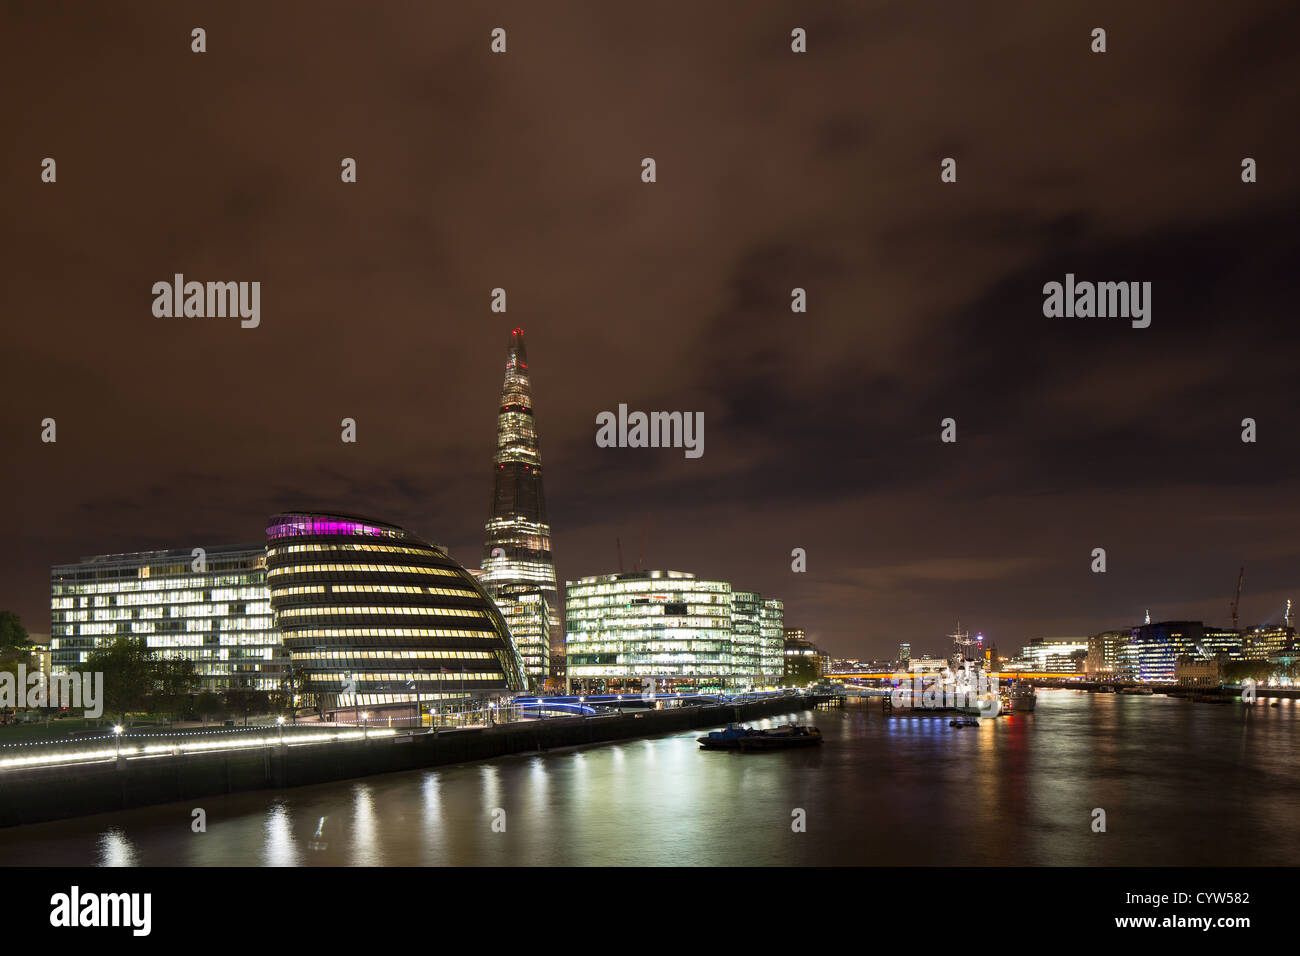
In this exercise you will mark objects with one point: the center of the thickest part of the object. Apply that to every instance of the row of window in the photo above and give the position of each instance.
(369, 610)
(413, 653)
(346, 633)
(393, 676)
(361, 569)
(372, 548)
(375, 589)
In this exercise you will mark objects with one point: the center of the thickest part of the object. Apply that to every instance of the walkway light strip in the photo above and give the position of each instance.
(196, 747)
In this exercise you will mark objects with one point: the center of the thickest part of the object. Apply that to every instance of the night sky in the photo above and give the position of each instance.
(775, 171)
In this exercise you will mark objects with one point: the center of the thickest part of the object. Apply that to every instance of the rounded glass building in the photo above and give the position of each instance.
(373, 616)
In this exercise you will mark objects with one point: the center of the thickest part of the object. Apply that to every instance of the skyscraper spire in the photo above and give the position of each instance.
(517, 563)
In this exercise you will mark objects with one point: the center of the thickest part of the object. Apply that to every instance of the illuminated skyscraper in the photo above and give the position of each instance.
(517, 539)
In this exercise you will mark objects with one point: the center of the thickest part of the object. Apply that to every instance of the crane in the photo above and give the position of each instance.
(1236, 601)
(640, 561)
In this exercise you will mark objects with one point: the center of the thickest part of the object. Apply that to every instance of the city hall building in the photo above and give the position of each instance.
(207, 605)
(374, 617)
(681, 632)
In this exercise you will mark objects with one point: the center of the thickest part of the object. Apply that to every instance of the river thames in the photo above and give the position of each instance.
(1181, 784)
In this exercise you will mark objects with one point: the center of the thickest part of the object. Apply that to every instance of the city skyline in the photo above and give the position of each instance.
(924, 301)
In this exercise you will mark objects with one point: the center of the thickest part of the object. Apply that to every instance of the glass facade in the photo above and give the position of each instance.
(1158, 646)
(1066, 655)
(528, 615)
(372, 616)
(772, 633)
(517, 537)
(683, 633)
(1262, 643)
(1112, 656)
(218, 617)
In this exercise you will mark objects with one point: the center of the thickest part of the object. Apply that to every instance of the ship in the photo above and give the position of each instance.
(735, 737)
(1021, 698)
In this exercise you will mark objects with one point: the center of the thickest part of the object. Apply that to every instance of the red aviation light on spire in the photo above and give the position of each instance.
(517, 331)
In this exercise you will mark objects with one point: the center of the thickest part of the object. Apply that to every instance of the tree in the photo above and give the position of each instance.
(11, 658)
(208, 705)
(130, 676)
(1234, 672)
(12, 632)
(175, 680)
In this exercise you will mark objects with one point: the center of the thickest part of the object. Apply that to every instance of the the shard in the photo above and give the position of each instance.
(517, 564)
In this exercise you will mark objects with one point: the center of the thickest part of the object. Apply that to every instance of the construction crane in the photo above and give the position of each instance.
(1236, 601)
(640, 561)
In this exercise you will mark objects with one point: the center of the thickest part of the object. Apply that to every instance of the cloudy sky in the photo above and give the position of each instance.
(775, 170)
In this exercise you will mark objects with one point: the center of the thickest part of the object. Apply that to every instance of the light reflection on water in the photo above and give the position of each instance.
(1181, 783)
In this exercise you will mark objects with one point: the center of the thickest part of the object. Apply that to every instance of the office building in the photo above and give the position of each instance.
(373, 617)
(1065, 655)
(1112, 656)
(1158, 646)
(803, 662)
(626, 630)
(1263, 643)
(208, 605)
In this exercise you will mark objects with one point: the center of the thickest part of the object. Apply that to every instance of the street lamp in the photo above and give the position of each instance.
(117, 735)
(416, 689)
(365, 726)
(280, 720)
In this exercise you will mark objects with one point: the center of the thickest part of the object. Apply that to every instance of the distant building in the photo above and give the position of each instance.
(1199, 671)
(1263, 643)
(1220, 640)
(39, 645)
(1065, 655)
(804, 663)
(219, 617)
(904, 653)
(626, 630)
(1158, 646)
(1112, 656)
(772, 630)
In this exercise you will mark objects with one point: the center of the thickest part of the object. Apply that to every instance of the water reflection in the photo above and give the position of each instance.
(115, 849)
(366, 845)
(1181, 783)
(280, 849)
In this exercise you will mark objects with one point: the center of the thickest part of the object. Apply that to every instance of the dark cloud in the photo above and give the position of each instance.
(775, 171)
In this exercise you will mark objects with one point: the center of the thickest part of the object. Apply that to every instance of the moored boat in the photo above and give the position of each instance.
(735, 737)
(1022, 697)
